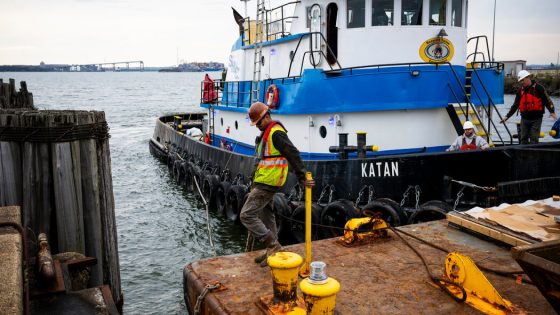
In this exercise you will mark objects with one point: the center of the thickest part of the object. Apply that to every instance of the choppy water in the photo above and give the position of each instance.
(161, 227)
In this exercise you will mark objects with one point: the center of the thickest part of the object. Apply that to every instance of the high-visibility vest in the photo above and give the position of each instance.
(272, 168)
(529, 101)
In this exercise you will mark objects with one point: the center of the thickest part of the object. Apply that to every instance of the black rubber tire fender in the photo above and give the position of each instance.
(390, 215)
(170, 162)
(282, 212)
(397, 207)
(336, 214)
(298, 228)
(427, 213)
(221, 193)
(209, 186)
(234, 202)
(183, 173)
(189, 173)
(438, 203)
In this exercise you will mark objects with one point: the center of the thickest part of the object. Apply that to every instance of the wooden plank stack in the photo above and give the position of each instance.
(56, 165)
(9, 98)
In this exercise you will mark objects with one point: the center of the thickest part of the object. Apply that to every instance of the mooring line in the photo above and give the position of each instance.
(207, 216)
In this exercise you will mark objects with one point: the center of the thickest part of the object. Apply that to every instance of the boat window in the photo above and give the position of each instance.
(382, 12)
(356, 14)
(323, 132)
(457, 13)
(437, 12)
(411, 12)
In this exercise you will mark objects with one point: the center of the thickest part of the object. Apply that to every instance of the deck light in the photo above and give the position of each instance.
(338, 121)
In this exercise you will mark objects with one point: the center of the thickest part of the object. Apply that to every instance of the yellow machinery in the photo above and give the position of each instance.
(319, 291)
(376, 228)
(284, 267)
(481, 295)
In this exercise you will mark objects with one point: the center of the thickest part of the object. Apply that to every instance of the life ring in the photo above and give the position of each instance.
(272, 97)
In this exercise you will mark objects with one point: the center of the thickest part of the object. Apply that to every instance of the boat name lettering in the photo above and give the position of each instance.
(380, 169)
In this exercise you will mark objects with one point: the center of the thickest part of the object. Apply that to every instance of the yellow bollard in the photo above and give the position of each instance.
(541, 134)
(284, 267)
(304, 271)
(319, 291)
(552, 133)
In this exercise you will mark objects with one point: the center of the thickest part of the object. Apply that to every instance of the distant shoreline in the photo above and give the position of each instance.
(550, 82)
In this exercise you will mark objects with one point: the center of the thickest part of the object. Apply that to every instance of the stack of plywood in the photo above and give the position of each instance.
(524, 223)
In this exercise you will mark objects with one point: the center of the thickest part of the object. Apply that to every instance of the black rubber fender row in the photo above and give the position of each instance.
(228, 196)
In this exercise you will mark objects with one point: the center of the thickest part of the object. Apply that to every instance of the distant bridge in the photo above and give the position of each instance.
(112, 66)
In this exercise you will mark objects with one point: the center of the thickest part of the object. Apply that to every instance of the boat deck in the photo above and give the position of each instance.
(384, 277)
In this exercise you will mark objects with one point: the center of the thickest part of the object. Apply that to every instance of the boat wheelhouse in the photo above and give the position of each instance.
(396, 70)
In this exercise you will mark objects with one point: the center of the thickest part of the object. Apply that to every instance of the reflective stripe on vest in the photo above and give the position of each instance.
(272, 169)
(529, 101)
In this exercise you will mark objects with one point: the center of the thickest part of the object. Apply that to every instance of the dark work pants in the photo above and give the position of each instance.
(530, 130)
(257, 214)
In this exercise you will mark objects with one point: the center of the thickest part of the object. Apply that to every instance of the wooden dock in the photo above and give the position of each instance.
(384, 277)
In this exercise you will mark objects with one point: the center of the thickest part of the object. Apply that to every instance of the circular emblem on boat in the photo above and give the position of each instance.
(436, 49)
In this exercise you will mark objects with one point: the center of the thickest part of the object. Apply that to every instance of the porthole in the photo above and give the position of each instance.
(222, 121)
(262, 60)
(323, 132)
(236, 125)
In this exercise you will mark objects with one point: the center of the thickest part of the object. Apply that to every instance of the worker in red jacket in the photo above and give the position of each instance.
(531, 99)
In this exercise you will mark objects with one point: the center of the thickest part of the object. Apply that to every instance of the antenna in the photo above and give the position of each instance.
(493, 30)
(245, 3)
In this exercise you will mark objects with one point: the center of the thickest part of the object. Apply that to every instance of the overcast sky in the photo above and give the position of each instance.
(157, 32)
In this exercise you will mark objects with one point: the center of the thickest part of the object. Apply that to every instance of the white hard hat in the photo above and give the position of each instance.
(468, 125)
(522, 75)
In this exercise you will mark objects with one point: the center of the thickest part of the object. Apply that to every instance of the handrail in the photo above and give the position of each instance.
(491, 105)
(476, 52)
(267, 22)
(312, 51)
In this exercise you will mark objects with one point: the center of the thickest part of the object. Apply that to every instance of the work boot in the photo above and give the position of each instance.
(259, 259)
(270, 250)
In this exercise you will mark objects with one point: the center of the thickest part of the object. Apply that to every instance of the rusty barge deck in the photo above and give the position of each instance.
(384, 277)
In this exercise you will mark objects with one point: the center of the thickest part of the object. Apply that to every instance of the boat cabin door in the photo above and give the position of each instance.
(332, 33)
(315, 54)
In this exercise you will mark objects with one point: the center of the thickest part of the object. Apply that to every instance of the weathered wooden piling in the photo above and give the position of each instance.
(56, 165)
(9, 98)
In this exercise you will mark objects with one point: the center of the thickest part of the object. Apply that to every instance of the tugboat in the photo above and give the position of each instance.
(372, 93)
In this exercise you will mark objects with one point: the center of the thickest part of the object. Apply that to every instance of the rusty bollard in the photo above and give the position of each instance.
(45, 264)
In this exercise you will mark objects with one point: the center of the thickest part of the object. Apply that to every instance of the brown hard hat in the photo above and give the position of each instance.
(256, 112)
